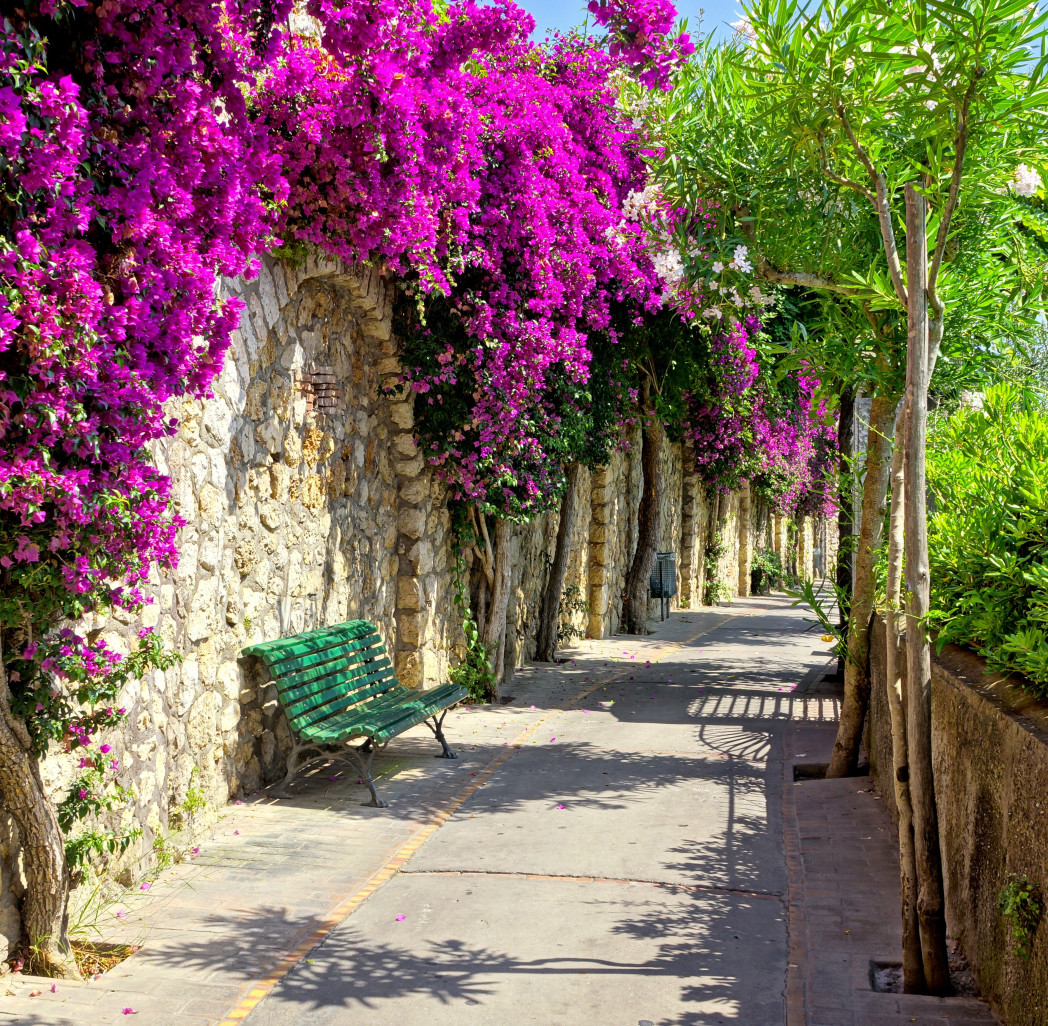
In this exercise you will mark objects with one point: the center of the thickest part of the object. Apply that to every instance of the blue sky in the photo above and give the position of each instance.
(563, 14)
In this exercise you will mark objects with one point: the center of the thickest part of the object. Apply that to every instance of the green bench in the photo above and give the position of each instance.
(336, 685)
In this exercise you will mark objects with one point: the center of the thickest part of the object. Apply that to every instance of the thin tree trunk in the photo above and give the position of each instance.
(845, 758)
(549, 619)
(45, 906)
(712, 535)
(494, 631)
(930, 902)
(845, 511)
(636, 592)
(482, 602)
(912, 964)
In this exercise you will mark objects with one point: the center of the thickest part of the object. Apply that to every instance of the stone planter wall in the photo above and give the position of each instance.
(990, 755)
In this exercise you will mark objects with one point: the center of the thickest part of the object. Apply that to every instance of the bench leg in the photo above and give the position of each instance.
(294, 764)
(362, 756)
(437, 726)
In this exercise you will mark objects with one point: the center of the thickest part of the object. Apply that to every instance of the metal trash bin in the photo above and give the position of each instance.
(664, 580)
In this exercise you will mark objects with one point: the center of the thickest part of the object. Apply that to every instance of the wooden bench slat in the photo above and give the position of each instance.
(380, 682)
(310, 641)
(405, 718)
(312, 709)
(292, 662)
(377, 720)
(399, 719)
(306, 682)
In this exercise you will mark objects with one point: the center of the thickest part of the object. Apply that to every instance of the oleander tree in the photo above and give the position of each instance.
(839, 142)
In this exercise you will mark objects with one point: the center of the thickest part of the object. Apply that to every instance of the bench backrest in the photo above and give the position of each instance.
(324, 672)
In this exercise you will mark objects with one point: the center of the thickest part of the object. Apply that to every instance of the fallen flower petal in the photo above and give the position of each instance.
(129, 1011)
(401, 919)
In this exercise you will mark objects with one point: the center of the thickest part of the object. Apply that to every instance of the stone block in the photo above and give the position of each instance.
(408, 666)
(411, 522)
(410, 468)
(409, 627)
(292, 449)
(270, 434)
(409, 593)
(314, 492)
(228, 680)
(270, 516)
(403, 414)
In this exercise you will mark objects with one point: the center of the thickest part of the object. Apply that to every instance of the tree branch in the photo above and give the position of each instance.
(801, 278)
(487, 556)
(880, 203)
(954, 195)
(847, 183)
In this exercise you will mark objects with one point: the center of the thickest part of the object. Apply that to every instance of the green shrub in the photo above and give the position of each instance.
(988, 531)
(1021, 904)
(766, 571)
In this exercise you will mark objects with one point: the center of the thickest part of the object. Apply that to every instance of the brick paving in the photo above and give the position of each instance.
(238, 926)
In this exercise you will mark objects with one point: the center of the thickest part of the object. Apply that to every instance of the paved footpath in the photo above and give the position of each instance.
(622, 845)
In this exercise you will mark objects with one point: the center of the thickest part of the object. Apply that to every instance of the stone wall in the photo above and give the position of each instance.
(990, 756)
(306, 503)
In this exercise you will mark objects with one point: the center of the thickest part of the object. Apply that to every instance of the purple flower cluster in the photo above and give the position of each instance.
(640, 33)
(146, 149)
(132, 175)
(777, 435)
(481, 169)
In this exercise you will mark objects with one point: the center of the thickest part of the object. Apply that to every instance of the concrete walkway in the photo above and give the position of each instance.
(623, 844)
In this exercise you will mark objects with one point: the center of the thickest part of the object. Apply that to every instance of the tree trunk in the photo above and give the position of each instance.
(845, 512)
(845, 758)
(712, 536)
(636, 592)
(494, 631)
(930, 901)
(45, 906)
(549, 618)
(482, 602)
(912, 964)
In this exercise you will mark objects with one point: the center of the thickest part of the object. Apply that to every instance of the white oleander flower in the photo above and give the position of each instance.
(1026, 181)
(741, 261)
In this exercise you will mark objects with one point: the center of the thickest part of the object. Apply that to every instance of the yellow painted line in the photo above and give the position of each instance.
(263, 986)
